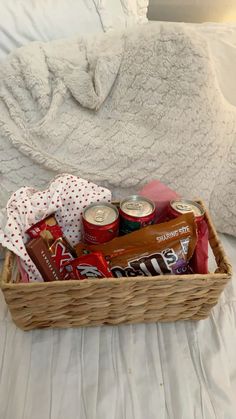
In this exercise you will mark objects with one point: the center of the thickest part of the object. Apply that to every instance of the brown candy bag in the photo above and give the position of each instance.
(153, 250)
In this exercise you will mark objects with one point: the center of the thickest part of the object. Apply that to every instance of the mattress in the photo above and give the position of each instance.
(179, 370)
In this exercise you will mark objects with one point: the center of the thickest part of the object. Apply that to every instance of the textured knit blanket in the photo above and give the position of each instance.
(120, 109)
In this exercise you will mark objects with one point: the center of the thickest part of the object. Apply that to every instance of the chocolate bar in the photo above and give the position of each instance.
(61, 255)
(47, 228)
(42, 258)
(61, 252)
(93, 265)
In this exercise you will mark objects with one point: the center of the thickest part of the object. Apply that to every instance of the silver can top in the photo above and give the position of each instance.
(100, 214)
(137, 206)
(184, 205)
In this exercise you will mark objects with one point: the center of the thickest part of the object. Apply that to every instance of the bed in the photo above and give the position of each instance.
(180, 370)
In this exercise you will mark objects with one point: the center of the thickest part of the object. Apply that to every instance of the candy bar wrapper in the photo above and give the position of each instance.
(66, 197)
(93, 265)
(47, 228)
(61, 254)
(61, 250)
(42, 258)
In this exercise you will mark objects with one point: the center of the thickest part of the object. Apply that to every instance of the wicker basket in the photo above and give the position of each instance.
(114, 301)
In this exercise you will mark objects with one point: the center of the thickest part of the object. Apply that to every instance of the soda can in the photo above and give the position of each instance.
(181, 206)
(100, 223)
(199, 261)
(136, 212)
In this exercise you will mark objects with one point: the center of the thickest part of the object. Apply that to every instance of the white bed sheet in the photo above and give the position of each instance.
(179, 370)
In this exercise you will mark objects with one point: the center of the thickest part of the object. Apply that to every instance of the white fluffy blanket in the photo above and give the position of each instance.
(120, 110)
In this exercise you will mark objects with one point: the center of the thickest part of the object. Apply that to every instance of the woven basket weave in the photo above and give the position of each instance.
(114, 301)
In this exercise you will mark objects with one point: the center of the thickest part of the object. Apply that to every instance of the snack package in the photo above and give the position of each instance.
(199, 261)
(153, 250)
(93, 265)
(59, 250)
(47, 228)
(41, 256)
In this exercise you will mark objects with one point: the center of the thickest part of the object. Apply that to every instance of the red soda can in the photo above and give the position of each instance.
(181, 206)
(199, 261)
(136, 212)
(100, 223)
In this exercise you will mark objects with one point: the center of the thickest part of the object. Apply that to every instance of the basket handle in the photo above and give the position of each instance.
(222, 261)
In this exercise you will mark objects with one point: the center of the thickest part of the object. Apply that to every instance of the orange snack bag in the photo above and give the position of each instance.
(153, 250)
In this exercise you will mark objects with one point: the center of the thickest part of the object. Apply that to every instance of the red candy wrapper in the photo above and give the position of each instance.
(93, 265)
(48, 229)
(59, 248)
(61, 253)
(199, 261)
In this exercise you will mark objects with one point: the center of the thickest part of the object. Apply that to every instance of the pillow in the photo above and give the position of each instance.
(222, 204)
(221, 40)
(23, 21)
(120, 14)
(33, 20)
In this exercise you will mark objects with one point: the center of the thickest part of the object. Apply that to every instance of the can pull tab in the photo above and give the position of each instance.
(134, 205)
(183, 207)
(100, 216)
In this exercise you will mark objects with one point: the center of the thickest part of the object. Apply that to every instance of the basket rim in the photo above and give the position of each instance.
(73, 282)
(168, 279)
(225, 266)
